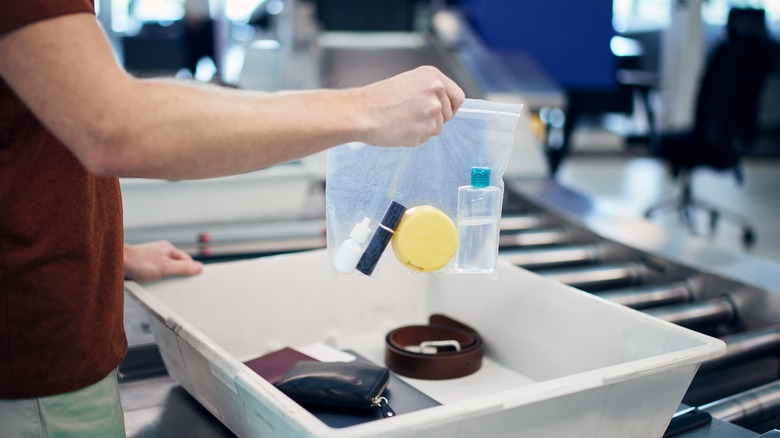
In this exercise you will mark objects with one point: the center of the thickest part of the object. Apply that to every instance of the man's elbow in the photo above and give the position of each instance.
(105, 153)
(101, 165)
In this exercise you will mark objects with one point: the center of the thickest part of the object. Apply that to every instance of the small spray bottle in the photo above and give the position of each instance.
(351, 249)
(479, 211)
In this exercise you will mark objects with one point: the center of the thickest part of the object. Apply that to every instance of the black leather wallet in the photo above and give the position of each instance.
(342, 385)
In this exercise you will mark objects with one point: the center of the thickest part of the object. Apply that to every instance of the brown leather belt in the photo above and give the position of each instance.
(443, 349)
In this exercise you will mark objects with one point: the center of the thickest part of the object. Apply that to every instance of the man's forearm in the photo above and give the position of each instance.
(183, 131)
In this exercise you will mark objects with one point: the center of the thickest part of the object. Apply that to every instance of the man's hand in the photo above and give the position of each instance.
(409, 108)
(157, 260)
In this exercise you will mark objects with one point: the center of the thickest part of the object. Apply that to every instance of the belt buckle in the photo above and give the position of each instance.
(432, 347)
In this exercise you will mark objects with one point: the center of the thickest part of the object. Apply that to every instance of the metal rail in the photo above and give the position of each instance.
(645, 297)
(748, 408)
(537, 237)
(551, 257)
(699, 314)
(744, 347)
(598, 277)
(522, 222)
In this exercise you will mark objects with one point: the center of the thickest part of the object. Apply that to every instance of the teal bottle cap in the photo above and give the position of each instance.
(480, 177)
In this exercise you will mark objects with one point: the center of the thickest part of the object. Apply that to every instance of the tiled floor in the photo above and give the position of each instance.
(631, 184)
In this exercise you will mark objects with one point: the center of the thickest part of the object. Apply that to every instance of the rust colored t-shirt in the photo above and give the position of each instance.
(61, 272)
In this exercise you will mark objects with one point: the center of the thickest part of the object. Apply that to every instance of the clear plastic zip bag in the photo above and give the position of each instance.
(391, 211)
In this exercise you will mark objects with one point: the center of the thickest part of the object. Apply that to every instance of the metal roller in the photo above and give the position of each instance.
(697, 314)
(522, 222)
(598, 277)
(744, 347)
(645, 297)
(748, 408)
(533, 238)
(549, 257)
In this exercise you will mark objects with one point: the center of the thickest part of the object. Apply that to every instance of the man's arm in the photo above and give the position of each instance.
(63, 69)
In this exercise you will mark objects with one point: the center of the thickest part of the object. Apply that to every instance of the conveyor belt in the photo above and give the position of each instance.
(613, 263)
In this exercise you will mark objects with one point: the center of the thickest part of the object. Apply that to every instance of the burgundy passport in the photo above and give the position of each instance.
(273, 366)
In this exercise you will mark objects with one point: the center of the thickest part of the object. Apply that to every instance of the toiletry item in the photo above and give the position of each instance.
(382, 236)
(426, 239)
(479, 210)
(351, 249)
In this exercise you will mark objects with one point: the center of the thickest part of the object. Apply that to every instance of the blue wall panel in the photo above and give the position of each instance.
(569, 38)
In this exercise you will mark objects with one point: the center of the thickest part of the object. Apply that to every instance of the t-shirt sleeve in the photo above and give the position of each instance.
(19, 13)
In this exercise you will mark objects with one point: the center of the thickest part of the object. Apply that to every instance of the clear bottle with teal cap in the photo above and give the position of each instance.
(479, 211)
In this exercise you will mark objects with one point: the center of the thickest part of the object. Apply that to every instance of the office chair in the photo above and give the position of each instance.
(726, 122)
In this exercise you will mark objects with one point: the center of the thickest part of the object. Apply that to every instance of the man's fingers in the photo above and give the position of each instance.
(455, 94)
(179, 262)
(183, 268)
(177, 254)
(446, 105)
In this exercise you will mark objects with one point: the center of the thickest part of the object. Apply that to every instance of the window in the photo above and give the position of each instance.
(638, 15)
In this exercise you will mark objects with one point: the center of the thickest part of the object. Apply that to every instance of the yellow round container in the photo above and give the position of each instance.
(426, 239)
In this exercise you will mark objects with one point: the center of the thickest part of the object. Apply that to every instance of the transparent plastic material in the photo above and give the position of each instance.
(479, 211)
(363, 180)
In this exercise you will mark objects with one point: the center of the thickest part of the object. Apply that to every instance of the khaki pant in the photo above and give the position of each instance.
(94, 411)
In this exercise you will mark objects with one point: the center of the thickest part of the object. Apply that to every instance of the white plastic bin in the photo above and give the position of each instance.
(559, 362)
